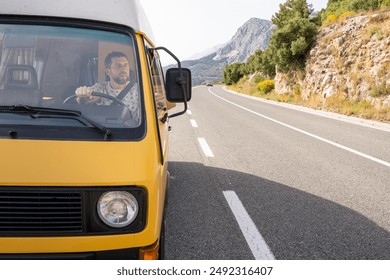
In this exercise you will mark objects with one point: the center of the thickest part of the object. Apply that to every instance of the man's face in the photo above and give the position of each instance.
(119, 70)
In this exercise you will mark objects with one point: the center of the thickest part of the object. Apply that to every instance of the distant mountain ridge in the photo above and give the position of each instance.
(253, 35)
(205, 52)
(250, 37)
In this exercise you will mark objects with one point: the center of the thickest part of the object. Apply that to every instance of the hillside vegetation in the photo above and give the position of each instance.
(338, 60)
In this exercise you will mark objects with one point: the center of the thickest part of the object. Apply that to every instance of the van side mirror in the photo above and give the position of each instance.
(178, 87)
(178, 83)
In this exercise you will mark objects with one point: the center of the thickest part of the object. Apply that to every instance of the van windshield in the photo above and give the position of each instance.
(70, 77)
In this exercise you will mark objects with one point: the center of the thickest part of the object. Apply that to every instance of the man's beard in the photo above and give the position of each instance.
(121, 81)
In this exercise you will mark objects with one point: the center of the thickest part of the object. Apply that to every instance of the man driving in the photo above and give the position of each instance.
(119, 85)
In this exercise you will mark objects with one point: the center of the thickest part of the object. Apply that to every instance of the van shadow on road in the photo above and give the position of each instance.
(295, 224)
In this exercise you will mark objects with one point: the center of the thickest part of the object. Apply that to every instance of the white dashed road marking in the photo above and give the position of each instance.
(193, 123)
(255, 240)
(205, 147)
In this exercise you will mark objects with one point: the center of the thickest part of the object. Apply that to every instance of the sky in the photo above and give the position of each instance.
(188, 27)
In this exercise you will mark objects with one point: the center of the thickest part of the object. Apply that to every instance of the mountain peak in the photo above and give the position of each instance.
(255, 20)
(250, 37)
(253, 35)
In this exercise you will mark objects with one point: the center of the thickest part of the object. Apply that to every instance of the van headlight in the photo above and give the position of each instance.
(117, 209)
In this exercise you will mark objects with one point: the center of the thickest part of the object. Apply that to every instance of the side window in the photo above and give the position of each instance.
(157, 75)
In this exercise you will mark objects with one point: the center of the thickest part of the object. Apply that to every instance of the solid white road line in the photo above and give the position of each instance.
(325, 114)
(255, 240)
(193, 123)
(205, 147)
(385, 163)
(189, 112)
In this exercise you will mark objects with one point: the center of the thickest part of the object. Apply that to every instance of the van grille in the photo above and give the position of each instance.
(29, 212)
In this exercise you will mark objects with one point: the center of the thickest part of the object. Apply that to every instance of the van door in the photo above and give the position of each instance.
(161, 106)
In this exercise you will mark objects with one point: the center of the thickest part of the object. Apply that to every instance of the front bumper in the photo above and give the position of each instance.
(122, 254)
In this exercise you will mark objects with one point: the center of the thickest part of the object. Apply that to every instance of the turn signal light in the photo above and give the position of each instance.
(150, 252)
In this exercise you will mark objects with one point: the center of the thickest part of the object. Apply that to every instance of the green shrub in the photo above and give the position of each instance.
(380, 91)
(338, 7)
(266, 86)
(297, 90)
(345, 15)
(258, 78)
(384, 3)
(330, 19)
(377, 32)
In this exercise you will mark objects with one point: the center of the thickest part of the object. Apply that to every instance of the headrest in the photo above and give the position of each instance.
(21, 77)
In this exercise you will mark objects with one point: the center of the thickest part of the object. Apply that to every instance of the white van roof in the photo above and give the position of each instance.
(125, 12)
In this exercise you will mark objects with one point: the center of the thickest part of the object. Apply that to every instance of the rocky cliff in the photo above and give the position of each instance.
(250, 37)
(253, 35)
(351, 58)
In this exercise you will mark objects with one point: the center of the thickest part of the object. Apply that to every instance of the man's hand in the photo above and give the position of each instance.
(84, 95)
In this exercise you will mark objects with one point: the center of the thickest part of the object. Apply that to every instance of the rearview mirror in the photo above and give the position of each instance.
(178, 87)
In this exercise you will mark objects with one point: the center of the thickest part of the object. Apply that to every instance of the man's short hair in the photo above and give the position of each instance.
(110, 56)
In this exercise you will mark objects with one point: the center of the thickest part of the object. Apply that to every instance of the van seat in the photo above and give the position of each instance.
(20, 86)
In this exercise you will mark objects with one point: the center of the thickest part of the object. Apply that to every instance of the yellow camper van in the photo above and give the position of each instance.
(84, 112)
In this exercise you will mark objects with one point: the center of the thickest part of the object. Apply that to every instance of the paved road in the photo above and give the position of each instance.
(275, 183)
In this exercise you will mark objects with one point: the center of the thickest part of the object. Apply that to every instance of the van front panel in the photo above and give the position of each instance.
(63, 156)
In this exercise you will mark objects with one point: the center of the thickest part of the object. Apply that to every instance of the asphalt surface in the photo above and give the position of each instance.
(314, 187)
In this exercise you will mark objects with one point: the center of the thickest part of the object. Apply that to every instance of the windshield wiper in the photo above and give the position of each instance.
(38, 112)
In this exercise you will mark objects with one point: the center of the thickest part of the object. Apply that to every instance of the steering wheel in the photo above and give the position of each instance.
(112, 98)
(97, 94)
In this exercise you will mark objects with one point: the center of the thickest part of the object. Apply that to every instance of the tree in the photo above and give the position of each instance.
(253, 63)
(291, 43)
(294, 36)
(232, 73)
(291, 9)
(267, 63)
